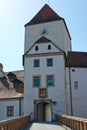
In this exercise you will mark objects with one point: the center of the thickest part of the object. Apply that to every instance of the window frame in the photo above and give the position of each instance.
(37, 76)
(53, 80)
(10, 111)
(48, 65)
(35, 66)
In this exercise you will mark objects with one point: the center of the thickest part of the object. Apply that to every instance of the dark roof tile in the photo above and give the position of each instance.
(46, 14)
(77, 59)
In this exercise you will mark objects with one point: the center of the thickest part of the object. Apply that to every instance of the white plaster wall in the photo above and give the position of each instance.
(56, 33)
(56, 93)
(79, 96)
(3, 108)
(22, 106)
(67, 40)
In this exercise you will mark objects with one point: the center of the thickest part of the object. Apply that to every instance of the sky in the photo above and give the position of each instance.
(14, 14)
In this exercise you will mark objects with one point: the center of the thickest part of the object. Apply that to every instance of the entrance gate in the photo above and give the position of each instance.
(42, 111)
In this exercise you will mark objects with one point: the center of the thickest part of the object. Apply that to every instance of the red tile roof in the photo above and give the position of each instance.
(77, 59)
(9, 94)
(46, 14)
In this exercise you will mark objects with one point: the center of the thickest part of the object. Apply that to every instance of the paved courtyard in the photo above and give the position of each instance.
(45, 126)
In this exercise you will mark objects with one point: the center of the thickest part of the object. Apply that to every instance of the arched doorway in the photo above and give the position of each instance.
(43, 111)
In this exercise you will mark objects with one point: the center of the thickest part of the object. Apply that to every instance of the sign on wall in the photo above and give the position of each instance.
(42, 93)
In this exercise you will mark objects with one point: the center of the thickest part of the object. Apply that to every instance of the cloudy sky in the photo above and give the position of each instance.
(14, 14)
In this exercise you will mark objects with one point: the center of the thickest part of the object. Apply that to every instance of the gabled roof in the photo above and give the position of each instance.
(43, 39)
(46, 14)
(77, 59)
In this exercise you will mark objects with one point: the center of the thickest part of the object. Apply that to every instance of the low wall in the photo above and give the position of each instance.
(14, 123)
(74, 123)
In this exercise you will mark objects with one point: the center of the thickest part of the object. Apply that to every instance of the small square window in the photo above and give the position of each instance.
(76, 85)
(50, 62)
(36, 63)
(36, 81)
(50, 80)
(73, 70)
(10, 110)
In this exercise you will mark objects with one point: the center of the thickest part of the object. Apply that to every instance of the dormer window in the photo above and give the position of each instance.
(49, 47)
(36, 48)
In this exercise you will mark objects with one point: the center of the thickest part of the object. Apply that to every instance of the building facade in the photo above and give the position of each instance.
(55, 76)
(47, 42)
(76, 83)
(11, 107)
(11, 99)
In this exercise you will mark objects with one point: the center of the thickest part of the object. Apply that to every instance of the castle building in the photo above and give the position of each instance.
(54, 75)
(47, 41)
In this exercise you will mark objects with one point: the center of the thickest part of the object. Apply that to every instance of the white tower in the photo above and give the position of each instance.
(47, 40)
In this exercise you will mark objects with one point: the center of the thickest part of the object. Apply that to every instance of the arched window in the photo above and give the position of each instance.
(36, 48)
(49, 47)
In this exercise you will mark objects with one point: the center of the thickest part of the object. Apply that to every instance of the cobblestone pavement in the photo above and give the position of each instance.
(45, 126)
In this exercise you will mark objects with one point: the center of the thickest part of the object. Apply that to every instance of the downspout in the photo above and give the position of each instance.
(19, 106)
(70, 91)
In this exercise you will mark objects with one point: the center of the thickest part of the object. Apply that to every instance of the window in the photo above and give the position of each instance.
(49, 47)
(10, 110)
(73, 70)
(36, 63)
(50, 80)
(76, 85)
(50, 62)
(36, 81)
(36, 48)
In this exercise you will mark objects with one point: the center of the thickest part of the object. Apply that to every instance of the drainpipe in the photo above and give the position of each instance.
(19, 106)
(70, 90)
